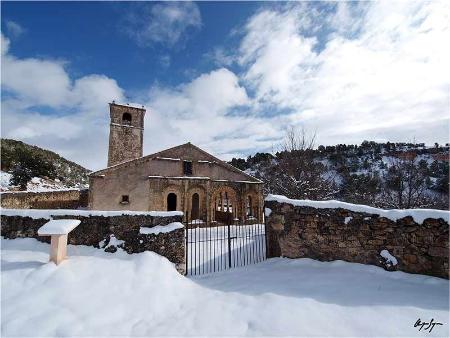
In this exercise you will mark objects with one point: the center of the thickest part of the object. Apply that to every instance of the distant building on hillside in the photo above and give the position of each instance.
(441, 157)
(184, 178)
(406, 155)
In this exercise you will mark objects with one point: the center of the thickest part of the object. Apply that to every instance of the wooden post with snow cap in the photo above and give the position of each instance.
(58, 230)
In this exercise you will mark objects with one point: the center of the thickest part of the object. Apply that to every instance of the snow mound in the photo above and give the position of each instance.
(112, 242)
(419, 215)
(100, 294)
(390, 260)
(161, 229)
(5, 180)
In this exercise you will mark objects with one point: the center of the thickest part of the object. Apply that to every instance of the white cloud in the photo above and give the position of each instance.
(221, 57)
(14, 29)
(201, 112)
(79, 130)
(376, 71)
(4, 44)
(42, 82)
(166, 23)
(165, 60)
(379, 71)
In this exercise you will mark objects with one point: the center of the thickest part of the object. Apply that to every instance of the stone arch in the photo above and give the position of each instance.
(224, 199)
(255, 207)
(195, 206)
(200, 191)
(179, 197)
(126, 118)
(172, 201)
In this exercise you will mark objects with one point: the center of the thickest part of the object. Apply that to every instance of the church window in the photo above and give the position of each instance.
(187, 167)
(126, 118)
(125, 199)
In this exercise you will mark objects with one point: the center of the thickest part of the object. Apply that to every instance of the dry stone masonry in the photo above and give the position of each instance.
(54, 199)
(414, 241)
(106, 230)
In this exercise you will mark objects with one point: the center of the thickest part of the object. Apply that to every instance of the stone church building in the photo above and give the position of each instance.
(184, 178)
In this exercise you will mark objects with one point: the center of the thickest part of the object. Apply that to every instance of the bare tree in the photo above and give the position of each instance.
(295, 140)
(405, 184)
(296, 173)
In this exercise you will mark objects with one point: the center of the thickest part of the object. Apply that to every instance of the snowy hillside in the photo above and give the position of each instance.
(42, 169)
(384, 175)
(100, 294)
(36, 184)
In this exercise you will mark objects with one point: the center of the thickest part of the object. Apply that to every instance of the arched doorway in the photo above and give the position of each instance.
(171, 202)
(195, 210)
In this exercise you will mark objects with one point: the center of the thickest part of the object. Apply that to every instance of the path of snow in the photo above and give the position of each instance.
(208, 249)
(419, 215)
(100, 294)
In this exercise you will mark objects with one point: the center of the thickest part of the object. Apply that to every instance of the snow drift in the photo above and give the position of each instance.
(99, 294)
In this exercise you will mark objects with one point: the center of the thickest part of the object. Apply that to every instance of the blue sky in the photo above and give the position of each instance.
(230, 77)
(92, 37)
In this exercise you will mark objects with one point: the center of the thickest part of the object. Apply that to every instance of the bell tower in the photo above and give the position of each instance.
(126, 133)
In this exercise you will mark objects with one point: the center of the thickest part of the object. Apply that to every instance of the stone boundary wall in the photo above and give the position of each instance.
(55, 199)
(419, 244)
(105, 231)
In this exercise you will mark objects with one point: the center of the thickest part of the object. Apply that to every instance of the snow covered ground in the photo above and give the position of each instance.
(208, 249)
(101, 294)
(5, 179)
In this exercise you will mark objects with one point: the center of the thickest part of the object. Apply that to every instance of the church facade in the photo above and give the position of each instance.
(184, 178)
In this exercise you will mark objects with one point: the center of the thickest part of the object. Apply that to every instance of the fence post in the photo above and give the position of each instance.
(186, 250)
(229, 243)
(265, 236)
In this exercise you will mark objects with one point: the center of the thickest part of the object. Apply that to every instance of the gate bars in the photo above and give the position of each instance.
(212, 247)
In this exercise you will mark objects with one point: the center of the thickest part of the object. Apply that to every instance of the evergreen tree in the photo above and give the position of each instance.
(27, 166)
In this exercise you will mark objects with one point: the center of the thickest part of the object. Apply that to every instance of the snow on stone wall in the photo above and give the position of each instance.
(49, 213)
(419, 215)
(333, 230)
(107, 230)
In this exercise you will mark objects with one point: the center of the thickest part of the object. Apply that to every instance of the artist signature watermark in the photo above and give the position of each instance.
(426, 326)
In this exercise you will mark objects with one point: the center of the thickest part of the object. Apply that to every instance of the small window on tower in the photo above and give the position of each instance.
(126, 118)
(125, 199)
(187, 167)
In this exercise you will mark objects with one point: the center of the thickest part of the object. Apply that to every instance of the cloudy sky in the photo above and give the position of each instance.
(229, 77)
